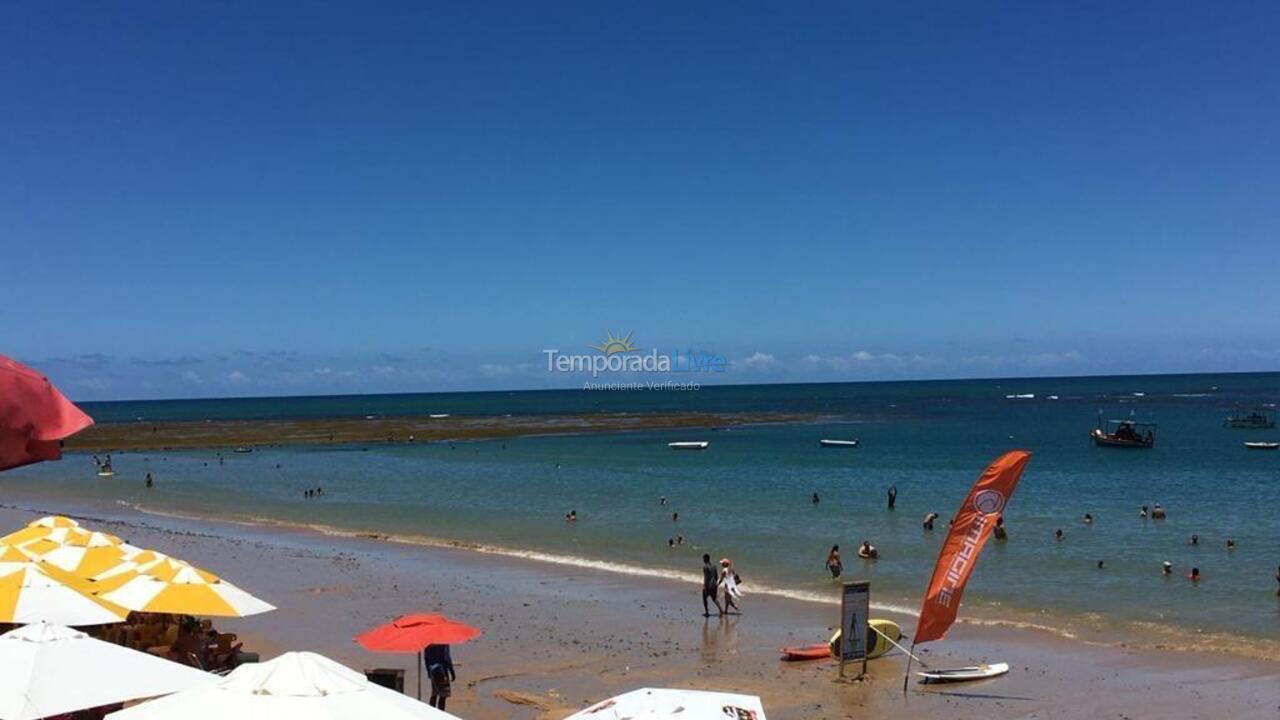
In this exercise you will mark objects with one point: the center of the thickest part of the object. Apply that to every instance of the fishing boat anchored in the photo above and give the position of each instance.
(698, 445)
(1262, 445)
(839, 443)
(1260, 419)
(1124, 434)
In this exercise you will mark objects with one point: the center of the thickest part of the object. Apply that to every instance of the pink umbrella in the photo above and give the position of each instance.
(34, 416)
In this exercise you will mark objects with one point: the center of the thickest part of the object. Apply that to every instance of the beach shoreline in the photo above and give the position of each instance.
(558, 636)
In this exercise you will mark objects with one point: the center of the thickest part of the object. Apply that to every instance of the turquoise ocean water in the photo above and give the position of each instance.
(748, 495)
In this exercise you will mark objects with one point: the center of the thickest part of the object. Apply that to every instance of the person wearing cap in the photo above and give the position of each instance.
(729, 580)
(1166, 568)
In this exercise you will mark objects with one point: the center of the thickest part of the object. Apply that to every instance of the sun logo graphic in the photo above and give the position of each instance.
(614, 345)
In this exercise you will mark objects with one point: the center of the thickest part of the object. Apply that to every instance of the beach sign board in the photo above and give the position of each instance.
(855, 612)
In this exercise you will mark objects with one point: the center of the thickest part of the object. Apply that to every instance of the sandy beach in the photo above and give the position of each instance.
(557, 638)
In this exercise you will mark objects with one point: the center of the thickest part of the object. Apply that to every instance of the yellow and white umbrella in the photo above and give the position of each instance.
(54, 521)
(188, 591)
(34, 591)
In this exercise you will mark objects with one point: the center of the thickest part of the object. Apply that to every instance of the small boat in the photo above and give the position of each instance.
(1124, 434)
(243, 449)
(698, 445)
(438, 416)
(839, 443)
(1260, 419)
(964, 674)
(106, 473)
(1262, 445)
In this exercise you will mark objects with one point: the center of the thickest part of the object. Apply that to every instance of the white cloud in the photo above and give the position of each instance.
(760, 360)
(235, 377)
(192, 377)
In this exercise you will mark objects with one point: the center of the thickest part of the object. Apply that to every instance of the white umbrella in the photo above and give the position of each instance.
(294, 686)
(51, 669)
(653, 703)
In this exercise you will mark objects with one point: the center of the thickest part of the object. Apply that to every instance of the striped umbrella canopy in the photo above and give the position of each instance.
(36, 591)
(87, 561)
(41, 539)
(53, 521)
(189, 591)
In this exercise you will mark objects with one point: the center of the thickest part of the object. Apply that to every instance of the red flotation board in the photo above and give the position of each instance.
(808, 652)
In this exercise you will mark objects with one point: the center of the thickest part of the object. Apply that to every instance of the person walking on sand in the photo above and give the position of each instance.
(710, 581)
(833, 562)
(729, 579)
(893, 495)
(439, 666)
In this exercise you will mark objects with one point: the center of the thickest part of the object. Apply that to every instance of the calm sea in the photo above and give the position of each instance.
(748, 495)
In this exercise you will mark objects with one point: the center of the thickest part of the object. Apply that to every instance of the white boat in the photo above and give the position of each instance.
(964, 674)
(698, 445)
(437, 416)
(839, 443)
(1262, 445)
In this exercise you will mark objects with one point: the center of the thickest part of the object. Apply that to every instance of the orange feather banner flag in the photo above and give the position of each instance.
(969, 531)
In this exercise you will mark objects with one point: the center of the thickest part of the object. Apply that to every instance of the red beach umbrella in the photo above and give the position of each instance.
(411, 633)
(34, 416)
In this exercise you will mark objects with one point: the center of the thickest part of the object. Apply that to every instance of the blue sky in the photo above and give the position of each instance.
(261, 198)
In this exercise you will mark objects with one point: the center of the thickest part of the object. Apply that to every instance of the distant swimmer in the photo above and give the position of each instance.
(999, 530)
(928, 520)
(1166, 568)
(1102, 564)
(1195, 540)
(1144, 513)
(833, 562)
(892, 495)
(150, 482)
(662, 500)
(868, 551)
(1278, 581)
(571, 516)
(1231, 544)
(1057, 535)
(671, 543)
(679, 539)
(1195, 575)
(1157, 512)
(675, 517)
(815, 500)
(1088, 519)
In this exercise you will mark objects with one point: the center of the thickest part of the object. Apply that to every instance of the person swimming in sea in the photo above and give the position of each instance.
(1195, 575)
(662, 500)
(1195, 540)
(571, 516)
(999, 529)
(1057, 535)
(675, 517)
(1088, 519)
(679, 539)
(815, 500)
(1278, 581)
(1231, 544)
(1166, 568)
(833, 562)
(892, 495)
(1144, 513)
(1157, 512)
(671, 543)
(928, 520)
(150, 482)
(1102, 564)
(868, 551)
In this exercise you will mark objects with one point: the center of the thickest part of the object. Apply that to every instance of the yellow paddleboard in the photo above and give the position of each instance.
(877, 645)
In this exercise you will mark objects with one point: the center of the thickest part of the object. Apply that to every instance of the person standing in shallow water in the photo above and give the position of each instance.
(833, 562)
(999, 530)
(893, 495)
(150, 482)
(710, 583)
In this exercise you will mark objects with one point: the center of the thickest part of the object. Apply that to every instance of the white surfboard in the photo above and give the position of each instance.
(964, 674)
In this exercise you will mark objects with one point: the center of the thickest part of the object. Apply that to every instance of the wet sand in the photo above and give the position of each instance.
(557, 638)
(143, 435)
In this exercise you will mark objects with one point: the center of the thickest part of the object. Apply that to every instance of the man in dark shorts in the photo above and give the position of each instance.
(710, 580)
